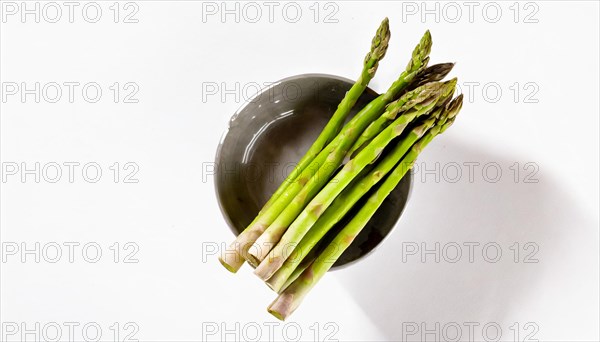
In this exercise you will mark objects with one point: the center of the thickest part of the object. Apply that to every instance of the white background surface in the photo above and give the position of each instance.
(178, 292)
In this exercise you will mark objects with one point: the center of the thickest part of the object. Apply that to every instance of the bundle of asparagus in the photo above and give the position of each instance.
(285, 242)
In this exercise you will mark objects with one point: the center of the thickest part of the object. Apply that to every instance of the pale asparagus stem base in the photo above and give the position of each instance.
(308, 217)
(292, 296)
(341, 144)
(342, 205)
(231, 257)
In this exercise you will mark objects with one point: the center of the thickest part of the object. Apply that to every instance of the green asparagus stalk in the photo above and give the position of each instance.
(307, 218)
(301, 266)
(343, 203)
(429, 90)
(231, 259)
(292, 296)
(307, 258)
(313, 176)
(293, 200)
(379, 47)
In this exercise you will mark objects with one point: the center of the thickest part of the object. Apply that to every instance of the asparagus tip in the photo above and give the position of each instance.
(447, 90)
(444, 69)
(427, 41)
(420, 54)
(451, 109)
(455, 106)
(452, 82)
(379, 46)
(433, 73)
(380, 42)
(382, 35)
(427, 35)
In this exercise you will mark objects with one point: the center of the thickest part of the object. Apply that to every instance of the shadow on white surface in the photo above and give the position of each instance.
(397, 293)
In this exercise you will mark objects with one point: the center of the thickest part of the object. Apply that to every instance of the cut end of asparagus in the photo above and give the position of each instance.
(259, 250)
(231, 262)
(252, 260)
(283, 306)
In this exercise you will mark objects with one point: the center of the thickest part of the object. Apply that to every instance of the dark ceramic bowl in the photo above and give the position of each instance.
(270, 133)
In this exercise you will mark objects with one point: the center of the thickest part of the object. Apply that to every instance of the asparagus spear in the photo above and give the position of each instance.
(304, 260)
(432, 73)
(379, 46)
(342, 205)
(292, 296)
(307, 218)
(301, 266)
(390, 114)
(231, 259)
(293, 200)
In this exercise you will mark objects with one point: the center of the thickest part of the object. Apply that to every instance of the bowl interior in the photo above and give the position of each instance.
(270, 133)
